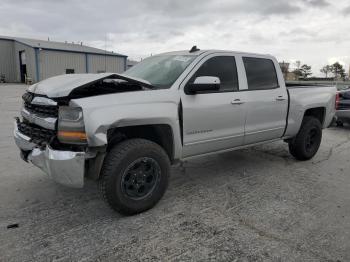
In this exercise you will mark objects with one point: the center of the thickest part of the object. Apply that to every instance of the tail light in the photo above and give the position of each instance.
(337, 100)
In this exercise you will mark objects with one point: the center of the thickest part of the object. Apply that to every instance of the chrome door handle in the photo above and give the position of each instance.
(237, 102)
(280, 98)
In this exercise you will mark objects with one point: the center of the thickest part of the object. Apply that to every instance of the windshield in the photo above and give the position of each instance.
(161, 70)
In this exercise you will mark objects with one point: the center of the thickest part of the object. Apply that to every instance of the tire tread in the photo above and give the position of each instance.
(296, 146)
(114, 157)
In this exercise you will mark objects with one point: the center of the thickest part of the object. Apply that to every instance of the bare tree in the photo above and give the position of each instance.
(326, 70)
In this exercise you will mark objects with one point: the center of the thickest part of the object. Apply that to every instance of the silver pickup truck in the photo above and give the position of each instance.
(126, 130)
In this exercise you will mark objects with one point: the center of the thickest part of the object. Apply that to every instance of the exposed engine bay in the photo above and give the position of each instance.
(106, 86)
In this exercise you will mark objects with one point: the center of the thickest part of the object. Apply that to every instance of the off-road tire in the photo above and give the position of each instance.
(300, 147)
(117, 161)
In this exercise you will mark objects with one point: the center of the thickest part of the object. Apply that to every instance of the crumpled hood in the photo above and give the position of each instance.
(63, 85)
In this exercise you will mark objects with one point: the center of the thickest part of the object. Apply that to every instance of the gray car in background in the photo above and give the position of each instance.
(343, 105)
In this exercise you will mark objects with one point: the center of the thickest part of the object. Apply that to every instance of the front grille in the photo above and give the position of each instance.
(38, 135)
(41, 110)
(45, 111)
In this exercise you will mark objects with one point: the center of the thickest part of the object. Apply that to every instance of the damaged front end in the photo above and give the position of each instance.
(51, 132)
(36, 136)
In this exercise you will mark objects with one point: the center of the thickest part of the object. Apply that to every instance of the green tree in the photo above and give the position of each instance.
(326, 70)
(302, 71)
(305, 71)
(338, 70)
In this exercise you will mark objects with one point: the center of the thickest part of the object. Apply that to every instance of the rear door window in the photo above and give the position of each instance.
(261, 73)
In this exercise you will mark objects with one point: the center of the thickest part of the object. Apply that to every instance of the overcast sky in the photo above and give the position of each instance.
(316, 32)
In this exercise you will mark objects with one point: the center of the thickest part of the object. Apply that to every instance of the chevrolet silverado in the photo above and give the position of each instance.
(126, 130)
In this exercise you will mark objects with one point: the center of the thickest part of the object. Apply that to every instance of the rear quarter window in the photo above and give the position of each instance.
(261, 73)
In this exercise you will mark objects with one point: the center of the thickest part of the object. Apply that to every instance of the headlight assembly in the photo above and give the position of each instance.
(71, 129)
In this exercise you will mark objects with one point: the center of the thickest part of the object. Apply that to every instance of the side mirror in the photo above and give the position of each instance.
(202, 84)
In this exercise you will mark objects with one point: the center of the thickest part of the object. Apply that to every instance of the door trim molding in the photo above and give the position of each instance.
(265, 130)
(213, 140)
(231, 149)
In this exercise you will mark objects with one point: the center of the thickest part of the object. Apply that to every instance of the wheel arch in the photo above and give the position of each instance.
(161, 134)
(317, 112)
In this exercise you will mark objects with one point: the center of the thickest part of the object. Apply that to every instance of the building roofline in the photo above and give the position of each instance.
(18, 40)
(75, 51)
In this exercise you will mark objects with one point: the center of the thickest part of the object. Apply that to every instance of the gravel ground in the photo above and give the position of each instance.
(257, 204)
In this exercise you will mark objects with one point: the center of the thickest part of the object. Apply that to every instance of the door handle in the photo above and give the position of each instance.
(237, 102)
(280, 98)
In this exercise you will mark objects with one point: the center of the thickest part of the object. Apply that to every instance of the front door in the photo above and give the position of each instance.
(213, 121)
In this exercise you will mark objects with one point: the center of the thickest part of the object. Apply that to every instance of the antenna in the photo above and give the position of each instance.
(105, 53)
(194, 49)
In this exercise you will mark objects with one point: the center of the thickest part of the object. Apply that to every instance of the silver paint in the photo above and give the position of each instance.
(236, 119)
(46, 122)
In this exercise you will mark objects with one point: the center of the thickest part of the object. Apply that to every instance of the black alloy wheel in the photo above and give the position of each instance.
(140, 178)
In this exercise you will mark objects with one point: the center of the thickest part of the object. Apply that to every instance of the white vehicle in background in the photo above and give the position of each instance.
(125, 130)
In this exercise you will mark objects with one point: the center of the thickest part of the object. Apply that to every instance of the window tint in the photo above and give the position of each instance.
(261, 73)
(223, 67)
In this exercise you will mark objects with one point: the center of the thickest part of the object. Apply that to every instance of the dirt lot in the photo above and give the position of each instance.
(257, 204)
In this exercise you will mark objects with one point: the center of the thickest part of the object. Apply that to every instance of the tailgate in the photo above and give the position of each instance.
(344, 101)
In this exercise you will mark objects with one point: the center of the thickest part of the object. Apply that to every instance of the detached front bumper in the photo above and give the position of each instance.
(64, 167)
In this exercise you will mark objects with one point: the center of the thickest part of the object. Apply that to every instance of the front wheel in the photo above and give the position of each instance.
(134, 176)
(307, 142)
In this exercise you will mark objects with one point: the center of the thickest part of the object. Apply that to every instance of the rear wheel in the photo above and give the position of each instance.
(307, 142)
(134, 176)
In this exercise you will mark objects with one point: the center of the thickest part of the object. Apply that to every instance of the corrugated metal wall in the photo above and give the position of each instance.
(52, 63)
(30, 60)
(7, 61)
(101, 63)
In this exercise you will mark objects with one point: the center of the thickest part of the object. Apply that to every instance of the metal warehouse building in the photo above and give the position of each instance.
(22, 58)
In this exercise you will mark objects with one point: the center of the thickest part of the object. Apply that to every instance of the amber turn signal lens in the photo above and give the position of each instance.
(72, 135)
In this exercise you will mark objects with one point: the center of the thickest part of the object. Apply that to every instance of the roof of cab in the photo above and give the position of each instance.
(211, 51)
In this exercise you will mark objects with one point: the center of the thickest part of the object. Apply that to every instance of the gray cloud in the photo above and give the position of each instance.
(346, 11)
(317, 3)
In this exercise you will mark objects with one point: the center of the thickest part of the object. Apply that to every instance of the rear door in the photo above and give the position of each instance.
(213, 121)
(266, 100)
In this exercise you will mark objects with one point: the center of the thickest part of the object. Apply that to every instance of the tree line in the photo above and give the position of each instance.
(335, 71)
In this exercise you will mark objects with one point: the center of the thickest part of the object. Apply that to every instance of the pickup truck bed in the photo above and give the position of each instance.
(302, 98)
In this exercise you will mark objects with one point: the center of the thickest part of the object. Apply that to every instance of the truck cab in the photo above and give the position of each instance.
(250, 105)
